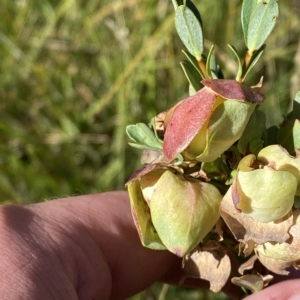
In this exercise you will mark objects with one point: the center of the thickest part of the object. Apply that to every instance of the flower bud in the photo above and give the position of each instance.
(206, 124)
(281, 161)
(180, 210)
(266, 194)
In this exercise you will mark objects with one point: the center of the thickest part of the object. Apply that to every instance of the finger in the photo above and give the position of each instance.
(285, 290)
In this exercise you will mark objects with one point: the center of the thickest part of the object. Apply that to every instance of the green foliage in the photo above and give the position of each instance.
(189, 30)
(240, 67)
(258, 20)
(192, 75)
(254, 59)
(257, 121)
(165, 291)
(212, 68)
(143, 137)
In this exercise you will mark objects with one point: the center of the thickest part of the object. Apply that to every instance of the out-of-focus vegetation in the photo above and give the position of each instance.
(75, 73)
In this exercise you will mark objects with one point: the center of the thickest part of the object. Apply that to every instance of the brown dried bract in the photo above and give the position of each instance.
(153, 157)
(210, 263)
(244, 228)
(252, 282)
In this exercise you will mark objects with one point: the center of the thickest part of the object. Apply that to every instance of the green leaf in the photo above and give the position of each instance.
(138, 146)
(194, 9)
(231, 178)
(194, 62)
(296, 106)
(289, 136)
(253, 132)
(270, 135)
(215, 69)
(247, 8)
(191, 74)
(189, 30)
(255, 146)
(143, 137)
(211, 66)
(216, 169)
(175, 4)
(240, 69)
(235, 157)
(192, 91)
(258, 20)
(297, 97)
(153, 125)
(256, 55)
(297, 202)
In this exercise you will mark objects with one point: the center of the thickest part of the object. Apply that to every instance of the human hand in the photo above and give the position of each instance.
(83, 247)
(284, 290)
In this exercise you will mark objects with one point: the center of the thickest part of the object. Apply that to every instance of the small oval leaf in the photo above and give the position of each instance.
(258, 20)
(252, 132)
(194, 62)
(240, 69)
(143, 137)
(247, 9)
(189, 30)
(212, 69)
(289, 135)
(191, 74)
(256, 55)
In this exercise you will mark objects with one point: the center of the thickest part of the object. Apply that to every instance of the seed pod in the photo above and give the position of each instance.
(267, 193)
(281, 160)
(206, 124)
(173, 211)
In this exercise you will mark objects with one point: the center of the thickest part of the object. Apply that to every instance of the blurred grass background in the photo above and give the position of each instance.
(75, 73)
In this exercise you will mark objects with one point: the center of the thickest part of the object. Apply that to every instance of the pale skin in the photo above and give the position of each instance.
(87, 248)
